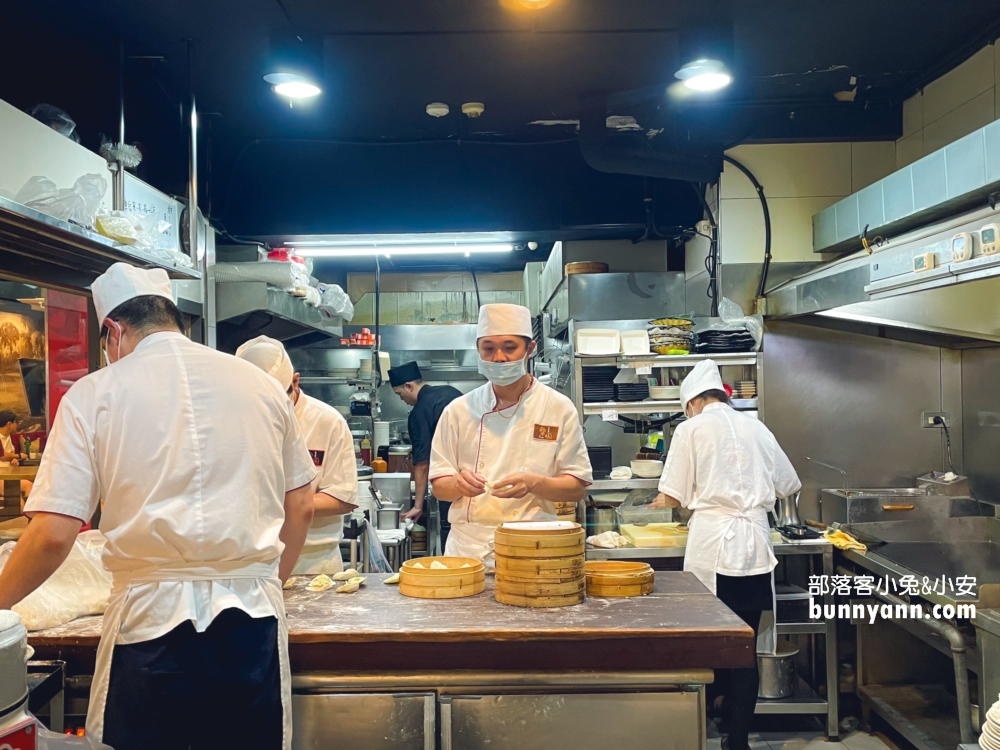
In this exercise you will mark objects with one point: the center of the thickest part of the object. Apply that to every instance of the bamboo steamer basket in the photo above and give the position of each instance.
(529, 588)
(453, 582)
(613, 578)
(585, 267)
(538, 566)
(510, 541)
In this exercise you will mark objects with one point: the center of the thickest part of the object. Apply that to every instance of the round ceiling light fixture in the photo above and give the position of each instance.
(437, 109)
(293, 86)
(473, 109)
(704, 75)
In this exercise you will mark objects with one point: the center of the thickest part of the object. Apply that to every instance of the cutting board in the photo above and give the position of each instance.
(655, 534)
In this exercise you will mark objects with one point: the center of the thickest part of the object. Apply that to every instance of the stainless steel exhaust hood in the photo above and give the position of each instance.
(956, 178)
(959, 299)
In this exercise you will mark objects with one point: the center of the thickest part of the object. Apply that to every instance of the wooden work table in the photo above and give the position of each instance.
(680, 626)
(378, 670)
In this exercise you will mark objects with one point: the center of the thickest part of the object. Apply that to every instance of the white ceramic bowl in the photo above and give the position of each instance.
(665, 392)
(647, 469)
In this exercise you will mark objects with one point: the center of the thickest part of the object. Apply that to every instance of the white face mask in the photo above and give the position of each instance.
(107, 357)
(504, 373)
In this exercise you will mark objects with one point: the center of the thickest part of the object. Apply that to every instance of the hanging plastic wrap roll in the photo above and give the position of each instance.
(281, 274)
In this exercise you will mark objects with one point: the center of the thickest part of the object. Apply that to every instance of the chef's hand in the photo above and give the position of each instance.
(413, 513)
(516, 485)
(470, 483)
(664, 501)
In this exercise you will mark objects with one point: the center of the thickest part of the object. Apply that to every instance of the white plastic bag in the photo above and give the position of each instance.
(80, 586)
(377, 561)
(78, 204)
(732, 319)
(336, 302)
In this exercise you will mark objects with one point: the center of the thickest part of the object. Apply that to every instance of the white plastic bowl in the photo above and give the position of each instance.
(647, 469)
(664, 392)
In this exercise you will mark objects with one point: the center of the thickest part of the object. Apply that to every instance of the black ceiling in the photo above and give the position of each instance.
(312, 168)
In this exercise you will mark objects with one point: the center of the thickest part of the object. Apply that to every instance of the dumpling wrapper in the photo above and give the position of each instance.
(438, 565)
(350, 587)
(320, 583)
(394, 578)
(360, 580)
(290, 583)
(345, 575)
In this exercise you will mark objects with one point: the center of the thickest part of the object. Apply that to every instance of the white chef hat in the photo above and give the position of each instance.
(704, 376)
(504, 319)
(123, 282)
(270, 356)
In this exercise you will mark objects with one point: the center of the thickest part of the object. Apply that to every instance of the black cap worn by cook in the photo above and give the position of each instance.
(405, 373)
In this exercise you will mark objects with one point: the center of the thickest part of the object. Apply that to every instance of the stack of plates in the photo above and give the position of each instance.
(365, 370)
(725, 341)
(599, 384)
(745, 389)
(343, 372)
(632, 391)
(665, 339)
(990, 738)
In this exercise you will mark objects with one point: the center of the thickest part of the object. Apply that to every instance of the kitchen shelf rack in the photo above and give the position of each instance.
(604, 485)
(654, 362)
(805, 699)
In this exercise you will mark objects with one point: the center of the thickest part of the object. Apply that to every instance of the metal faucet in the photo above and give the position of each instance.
(835, 468)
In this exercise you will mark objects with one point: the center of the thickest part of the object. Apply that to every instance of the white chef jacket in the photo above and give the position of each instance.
(541, 434)
(331, 448)
(193, 451)
(728, 468)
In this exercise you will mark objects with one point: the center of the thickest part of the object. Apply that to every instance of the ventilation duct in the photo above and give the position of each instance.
(962, 175)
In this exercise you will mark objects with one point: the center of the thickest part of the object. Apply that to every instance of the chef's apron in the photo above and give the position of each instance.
(266, 574)
(709, 529)
(473, 535)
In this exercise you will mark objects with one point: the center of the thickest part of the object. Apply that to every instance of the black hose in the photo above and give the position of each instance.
(712, 259)
(475, 283)
(767, 222)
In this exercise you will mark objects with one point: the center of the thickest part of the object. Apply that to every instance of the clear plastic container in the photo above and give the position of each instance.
(635, 509)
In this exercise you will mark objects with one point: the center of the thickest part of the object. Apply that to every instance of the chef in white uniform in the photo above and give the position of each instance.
(728, 468)
(509, 449)
(331, 447)
(205, 478)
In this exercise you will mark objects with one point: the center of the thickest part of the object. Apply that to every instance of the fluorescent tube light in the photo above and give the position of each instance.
(361, 251)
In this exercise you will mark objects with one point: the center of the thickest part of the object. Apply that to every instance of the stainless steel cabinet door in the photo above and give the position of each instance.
(637, 721)
(373, 721)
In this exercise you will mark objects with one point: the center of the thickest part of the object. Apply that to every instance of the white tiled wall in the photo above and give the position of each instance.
(799, 180)
(962, 100)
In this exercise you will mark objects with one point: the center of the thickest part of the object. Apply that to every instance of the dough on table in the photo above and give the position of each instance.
(320, 583)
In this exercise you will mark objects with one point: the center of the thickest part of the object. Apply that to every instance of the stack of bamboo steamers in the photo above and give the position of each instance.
(540, 564)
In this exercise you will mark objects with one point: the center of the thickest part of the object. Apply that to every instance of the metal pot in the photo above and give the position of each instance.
(387, 517)
(600, 518)
(788, 511)
(777, 671)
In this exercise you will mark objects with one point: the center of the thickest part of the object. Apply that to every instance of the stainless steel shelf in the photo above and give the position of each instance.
(37, 243)
(623, 484)
(804, 700)
(668, 360)
(633, 553)
(633, 407)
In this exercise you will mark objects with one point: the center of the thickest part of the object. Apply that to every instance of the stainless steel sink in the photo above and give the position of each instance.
(865, 505)
(882, 492)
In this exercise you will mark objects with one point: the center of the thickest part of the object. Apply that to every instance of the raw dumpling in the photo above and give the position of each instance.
(420, 565)
(465, 565)
(350, 587)
(394, 578)
(345, 575)
(290, 583)
(438, 565)
(319, 583)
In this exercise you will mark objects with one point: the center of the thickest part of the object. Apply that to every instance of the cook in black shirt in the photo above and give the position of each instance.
(428, 401)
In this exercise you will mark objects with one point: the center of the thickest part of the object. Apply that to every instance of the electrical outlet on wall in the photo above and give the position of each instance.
(928, 417)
